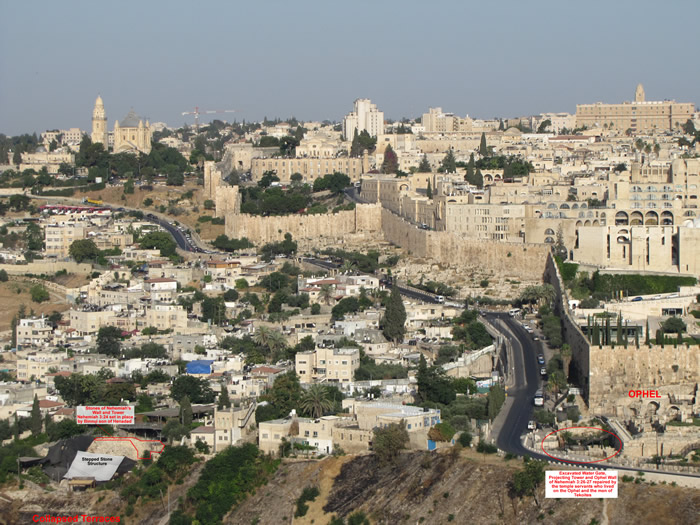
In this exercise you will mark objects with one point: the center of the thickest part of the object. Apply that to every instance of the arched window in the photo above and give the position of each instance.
(549, 240)
(549, 231)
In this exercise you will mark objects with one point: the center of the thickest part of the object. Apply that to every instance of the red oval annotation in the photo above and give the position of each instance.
(583, 462)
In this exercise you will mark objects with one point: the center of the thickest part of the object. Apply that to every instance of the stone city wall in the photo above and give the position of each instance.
(672, 371)
(305, 229)
(522, 261)
(46, 267)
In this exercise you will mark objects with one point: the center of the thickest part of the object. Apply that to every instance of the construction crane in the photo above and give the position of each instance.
(198, 112)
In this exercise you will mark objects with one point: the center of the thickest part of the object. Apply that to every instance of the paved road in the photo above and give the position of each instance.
(524, 382)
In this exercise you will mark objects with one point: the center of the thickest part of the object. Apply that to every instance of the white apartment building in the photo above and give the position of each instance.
(364, 117)
(34, 332)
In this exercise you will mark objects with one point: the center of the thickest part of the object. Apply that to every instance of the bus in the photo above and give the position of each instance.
(539, 398)
(513, 312)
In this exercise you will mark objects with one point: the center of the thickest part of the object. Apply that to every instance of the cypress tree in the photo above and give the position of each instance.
(424, 166)
(429, 191)
(479, 179)
(391, 161)
(224, 400)
(355, 146)
(471, 170)
(636, 337)
(449, 164)
(394, 317)
(619, 329)
(35, 423)
(186, 411)
(483, 149)
(647, 336)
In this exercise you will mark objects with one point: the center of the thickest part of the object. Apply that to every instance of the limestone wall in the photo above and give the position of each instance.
(519, 260)
(46, 267)
(674, 371)
(364, 219)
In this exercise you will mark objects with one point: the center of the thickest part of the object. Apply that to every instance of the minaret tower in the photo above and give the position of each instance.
(99, 123)
(639, 94)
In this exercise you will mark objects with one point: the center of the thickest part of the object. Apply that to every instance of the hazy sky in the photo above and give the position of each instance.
(311, 59)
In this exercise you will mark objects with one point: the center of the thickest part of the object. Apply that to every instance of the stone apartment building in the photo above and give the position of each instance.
(35, 332)
(325, 364)
(58, 238)
(37, 365)
(309, 168)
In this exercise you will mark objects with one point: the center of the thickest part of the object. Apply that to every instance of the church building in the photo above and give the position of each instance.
(130, 135)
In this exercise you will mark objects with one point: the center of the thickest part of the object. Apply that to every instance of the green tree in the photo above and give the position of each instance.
(109, 340)
(542, 128)
(389, 441)
(224, 400)
(471, 170)
(83, 250)
(284, 396)
(394, 319)
(424, 166)
(185, 411)
(433, 385)
(173, 431)
(391, 161)
(39, 293)
(448, 164)
(35, 423)
(197, 390)
(674, 325)
(495, 400)
(429, 191)
(316, 400)
(483, 148)
(3, 276)
(159, 241)
(526, 481)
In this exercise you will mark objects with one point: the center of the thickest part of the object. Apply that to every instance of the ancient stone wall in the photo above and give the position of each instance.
(365, 219)
(673, 371)
(522, 261)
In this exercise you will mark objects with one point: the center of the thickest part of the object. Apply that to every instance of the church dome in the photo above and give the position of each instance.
(131, 120)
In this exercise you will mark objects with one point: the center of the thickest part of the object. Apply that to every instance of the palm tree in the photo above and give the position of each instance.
(347, 266)
(326, 293)
(316, 400)
(262, 336)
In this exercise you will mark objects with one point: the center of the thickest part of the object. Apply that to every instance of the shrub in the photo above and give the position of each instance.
(486, 448)
(39, 293)
(465, 439)
(308, 494)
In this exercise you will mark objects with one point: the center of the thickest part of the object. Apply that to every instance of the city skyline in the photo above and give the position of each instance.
(313, 61)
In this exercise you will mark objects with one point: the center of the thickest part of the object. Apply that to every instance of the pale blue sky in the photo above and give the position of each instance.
(311, 59)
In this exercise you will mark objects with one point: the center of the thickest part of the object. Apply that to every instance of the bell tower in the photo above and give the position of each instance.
(639, 94)
(99, 123)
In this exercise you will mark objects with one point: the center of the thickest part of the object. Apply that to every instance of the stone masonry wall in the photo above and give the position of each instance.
(364, 219)
(673, 371)
(519, 260)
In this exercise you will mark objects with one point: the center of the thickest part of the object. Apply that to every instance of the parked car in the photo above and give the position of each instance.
(540, 359)
(637, 299)
(531, 425)
(543, 371)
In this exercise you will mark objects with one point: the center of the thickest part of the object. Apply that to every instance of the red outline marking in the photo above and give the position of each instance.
(130, 440)
(582, 462)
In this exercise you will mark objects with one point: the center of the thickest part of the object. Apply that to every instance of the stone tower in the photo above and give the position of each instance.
(639, 94)
(99, 123)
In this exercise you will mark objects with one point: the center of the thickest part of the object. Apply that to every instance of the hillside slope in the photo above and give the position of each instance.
(442, 488)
